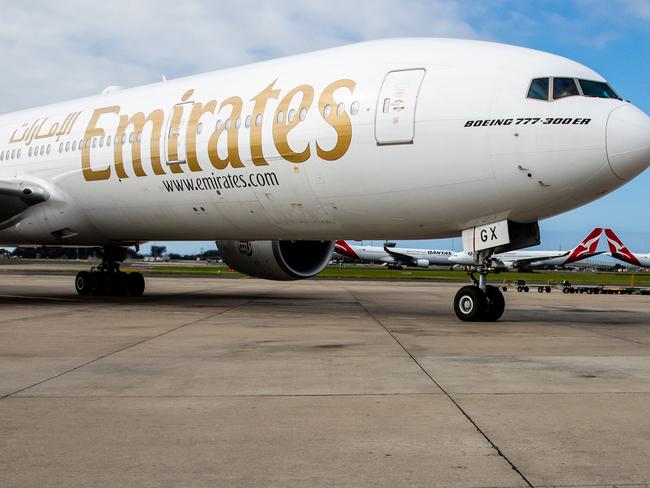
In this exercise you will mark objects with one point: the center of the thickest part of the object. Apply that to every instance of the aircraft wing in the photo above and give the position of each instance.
(518, 262)
(18, 195)
(525, 261)
(400, 257)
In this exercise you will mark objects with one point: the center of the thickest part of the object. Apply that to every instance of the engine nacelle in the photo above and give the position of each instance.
(277, 260)
(422, 263)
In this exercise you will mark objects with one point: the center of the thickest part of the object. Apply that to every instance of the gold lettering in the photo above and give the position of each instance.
(198, 111)
(138, 121)
(260, 100)
(340, 123)
(93, 131)
(232, 158)
(281, 129)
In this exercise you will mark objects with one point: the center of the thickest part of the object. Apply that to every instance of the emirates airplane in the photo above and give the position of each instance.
(412, 138)
(394, 256)
(619, 251)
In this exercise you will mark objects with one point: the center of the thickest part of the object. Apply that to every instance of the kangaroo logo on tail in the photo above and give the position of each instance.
(587, 248)
(344, 249)
(619, 250)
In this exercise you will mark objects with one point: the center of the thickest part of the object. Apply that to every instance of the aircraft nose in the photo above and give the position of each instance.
(628, 141)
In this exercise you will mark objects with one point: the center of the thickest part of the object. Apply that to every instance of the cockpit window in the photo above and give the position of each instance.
(564, 87)
(539, 89)
(597, 89)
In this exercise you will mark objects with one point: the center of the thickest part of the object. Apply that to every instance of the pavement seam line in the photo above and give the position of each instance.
(446, 393)
(104, 356)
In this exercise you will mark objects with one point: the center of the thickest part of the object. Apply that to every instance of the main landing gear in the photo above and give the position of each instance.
(479, 302)
(107, 279)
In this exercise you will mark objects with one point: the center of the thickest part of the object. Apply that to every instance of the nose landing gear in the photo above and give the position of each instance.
(107, 279)
(479, 302)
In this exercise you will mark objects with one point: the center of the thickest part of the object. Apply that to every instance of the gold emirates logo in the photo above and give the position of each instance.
(282, 125)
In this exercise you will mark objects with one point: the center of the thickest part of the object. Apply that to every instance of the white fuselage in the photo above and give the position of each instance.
(438, 257)
(328, 145)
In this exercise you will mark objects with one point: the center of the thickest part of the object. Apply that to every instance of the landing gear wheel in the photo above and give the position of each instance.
(135, 284)
(82, 283)
(470, 304)
(496, 304)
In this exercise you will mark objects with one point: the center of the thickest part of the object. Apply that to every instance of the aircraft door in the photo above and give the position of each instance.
(175, 135)
(395, 116)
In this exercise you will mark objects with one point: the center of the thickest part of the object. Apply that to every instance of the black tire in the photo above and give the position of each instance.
(82, 283)
(520, 289)
(470, 304)
(526, 289)
(504, 288)
(120, 284)
(565, 290)
(96, 283)
(496, 304)
(548, 289)
(136, 284)
(540, 289)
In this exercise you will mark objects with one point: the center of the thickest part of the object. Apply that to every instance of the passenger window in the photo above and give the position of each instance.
(2, 155)
(564, 87)
(67, 146)
(386, 105)
(94, 142)
(199, 128)
(13, 154)
(60, 149)
(303, 114)
(597, 89)
(291, 115)
(74, 145)
(101, 141)
(109, 139)
(227, 125)
(42, 150)
(48, 150)
(340, 109)
(238, 123)
(539, 89)
(218, 126)
(18, 154)
(248, 121)
(280, 118)
(29, 153)
(327, 111)
(258, 120)
(354, 108)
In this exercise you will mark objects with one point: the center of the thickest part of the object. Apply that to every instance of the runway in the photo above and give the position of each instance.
(215, 382)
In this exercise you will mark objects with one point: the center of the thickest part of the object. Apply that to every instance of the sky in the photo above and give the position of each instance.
(56, 51)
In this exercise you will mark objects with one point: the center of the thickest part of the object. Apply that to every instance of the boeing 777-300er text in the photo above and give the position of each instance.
(524, 260)
(412, 138)
(619, 251)
(395, 256)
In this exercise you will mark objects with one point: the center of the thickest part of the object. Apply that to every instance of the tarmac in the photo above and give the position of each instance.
(240, 383)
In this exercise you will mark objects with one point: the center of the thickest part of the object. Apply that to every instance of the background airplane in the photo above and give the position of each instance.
(530, 259)
(619, 251)
(394, 256)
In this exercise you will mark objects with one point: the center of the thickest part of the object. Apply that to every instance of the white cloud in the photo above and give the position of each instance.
(57, 51)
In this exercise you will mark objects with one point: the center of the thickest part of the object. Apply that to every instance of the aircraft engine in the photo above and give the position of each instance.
(422, 263)
(277, 260)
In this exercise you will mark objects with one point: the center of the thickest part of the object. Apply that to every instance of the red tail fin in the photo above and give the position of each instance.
(586, 248)
(344, 249)
(618, 249)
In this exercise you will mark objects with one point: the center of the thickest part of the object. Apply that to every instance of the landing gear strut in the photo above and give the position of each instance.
(107, 279)
(480, 302)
